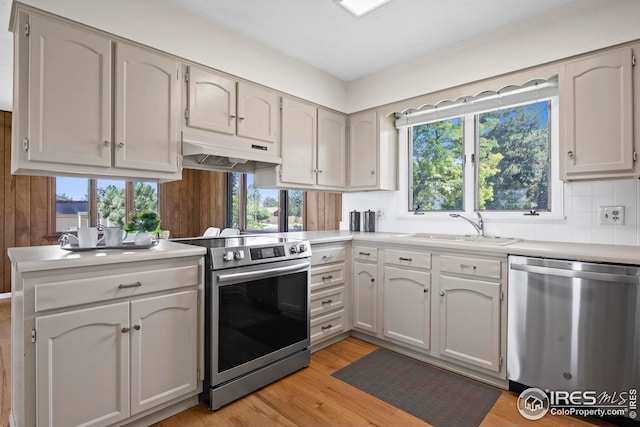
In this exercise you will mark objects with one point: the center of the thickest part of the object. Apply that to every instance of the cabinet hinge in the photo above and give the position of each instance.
(186, 77)
(186, 113)
(635, 156)
(198, 301)
(33, 335)
(501, 296)
(280, 105)
(198, 375)
(501, 360)
(25, 144)
(27, 29)
(633, 61)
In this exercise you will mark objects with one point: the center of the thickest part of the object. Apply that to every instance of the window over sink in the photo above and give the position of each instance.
(495, 153)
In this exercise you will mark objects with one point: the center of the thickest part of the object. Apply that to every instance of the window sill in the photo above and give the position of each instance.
(486, 217)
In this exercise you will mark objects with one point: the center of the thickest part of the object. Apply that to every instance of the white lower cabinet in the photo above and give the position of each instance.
(137, 355)
(365, 297)
(407, 306)
(82, 368)
(470, 321)
(106, 344)
(329, 292)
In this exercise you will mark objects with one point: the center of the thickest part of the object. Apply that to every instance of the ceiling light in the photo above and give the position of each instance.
(360, 7)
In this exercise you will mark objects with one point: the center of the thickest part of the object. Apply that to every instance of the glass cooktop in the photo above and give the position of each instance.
(235, 241)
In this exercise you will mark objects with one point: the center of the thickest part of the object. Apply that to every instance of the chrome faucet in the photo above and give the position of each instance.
(479, 226)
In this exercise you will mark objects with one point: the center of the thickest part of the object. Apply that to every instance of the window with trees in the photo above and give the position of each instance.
(81, 201)
(493, 157)
(262, 210)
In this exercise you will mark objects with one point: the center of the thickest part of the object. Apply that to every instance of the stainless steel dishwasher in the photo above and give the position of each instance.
(573, 326)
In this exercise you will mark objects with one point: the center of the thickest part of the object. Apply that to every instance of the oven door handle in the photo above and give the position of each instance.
(259, 274)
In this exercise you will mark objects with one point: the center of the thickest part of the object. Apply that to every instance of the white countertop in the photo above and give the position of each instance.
(36, 258)
(572, 251)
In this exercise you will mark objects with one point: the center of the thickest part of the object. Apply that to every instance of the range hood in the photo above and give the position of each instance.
(197, 155)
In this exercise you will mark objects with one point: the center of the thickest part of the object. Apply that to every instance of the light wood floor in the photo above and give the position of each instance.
(310, 397)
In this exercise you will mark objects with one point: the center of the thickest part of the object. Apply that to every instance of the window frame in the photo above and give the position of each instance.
(470, 169)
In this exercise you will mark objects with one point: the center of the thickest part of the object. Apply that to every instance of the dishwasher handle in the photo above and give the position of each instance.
(575, 274)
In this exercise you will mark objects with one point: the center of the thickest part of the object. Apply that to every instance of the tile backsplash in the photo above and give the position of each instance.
(581, 211)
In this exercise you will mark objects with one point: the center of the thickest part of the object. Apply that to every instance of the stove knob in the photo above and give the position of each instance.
(238, 255)
(293, 249)
(302, 248)
(228, 256)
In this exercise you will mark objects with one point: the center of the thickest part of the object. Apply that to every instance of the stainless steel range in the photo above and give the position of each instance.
(256, 313)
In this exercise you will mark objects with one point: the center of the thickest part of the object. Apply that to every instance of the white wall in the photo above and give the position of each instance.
(158, 24)
(579, 27)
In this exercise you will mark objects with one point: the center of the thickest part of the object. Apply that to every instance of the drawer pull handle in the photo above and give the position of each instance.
(463, 266)
(329, 326)
(364, 253)
(132, 285)
(441, 293)
(136, 327)
(327, 277)
(425, 290)
(404, 259)
(327, 257)
(327, 302)
(125, 330)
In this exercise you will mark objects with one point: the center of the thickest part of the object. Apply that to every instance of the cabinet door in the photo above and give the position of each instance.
(69, 95)
(596, 107)
(298, 142)
(82, 363)
(470, 321)
(365, 296)
(211, 101)
(363, 150)
(332, 149)
(147, 110)
(164, 343)
(257, 113)
(407, 306)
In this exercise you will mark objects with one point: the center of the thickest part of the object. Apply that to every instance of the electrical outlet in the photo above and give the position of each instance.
(611, 215)
(380, 214)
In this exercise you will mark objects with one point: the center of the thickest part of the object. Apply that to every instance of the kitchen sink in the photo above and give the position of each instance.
(485, 240)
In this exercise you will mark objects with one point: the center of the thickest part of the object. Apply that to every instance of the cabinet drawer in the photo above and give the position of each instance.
(471, 266)
(102, 288)
(327, 326)
(323, 255)
(365, 253)
(327, 300)
(407, 258)
(330, 275)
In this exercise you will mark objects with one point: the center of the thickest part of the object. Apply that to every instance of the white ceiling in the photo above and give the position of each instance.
(323, 34)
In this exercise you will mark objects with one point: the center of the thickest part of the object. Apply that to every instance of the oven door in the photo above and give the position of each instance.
(260, 314)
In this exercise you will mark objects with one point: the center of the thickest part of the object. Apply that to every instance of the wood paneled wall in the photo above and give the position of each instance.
(24, 203)
(187, 207)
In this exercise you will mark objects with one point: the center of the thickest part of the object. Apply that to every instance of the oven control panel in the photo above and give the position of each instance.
(267, 252)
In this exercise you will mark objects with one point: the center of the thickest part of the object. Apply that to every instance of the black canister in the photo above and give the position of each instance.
(369, 221)
(354, 221)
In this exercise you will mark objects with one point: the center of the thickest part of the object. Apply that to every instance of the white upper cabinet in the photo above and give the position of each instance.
(257, 112)
(597, 116)
(63, 103)
(332, 150)
(69, 96)
(147, 110)
(299, 141)
(232, 118)
(373, 152)
(211, 101)
(313, 142)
